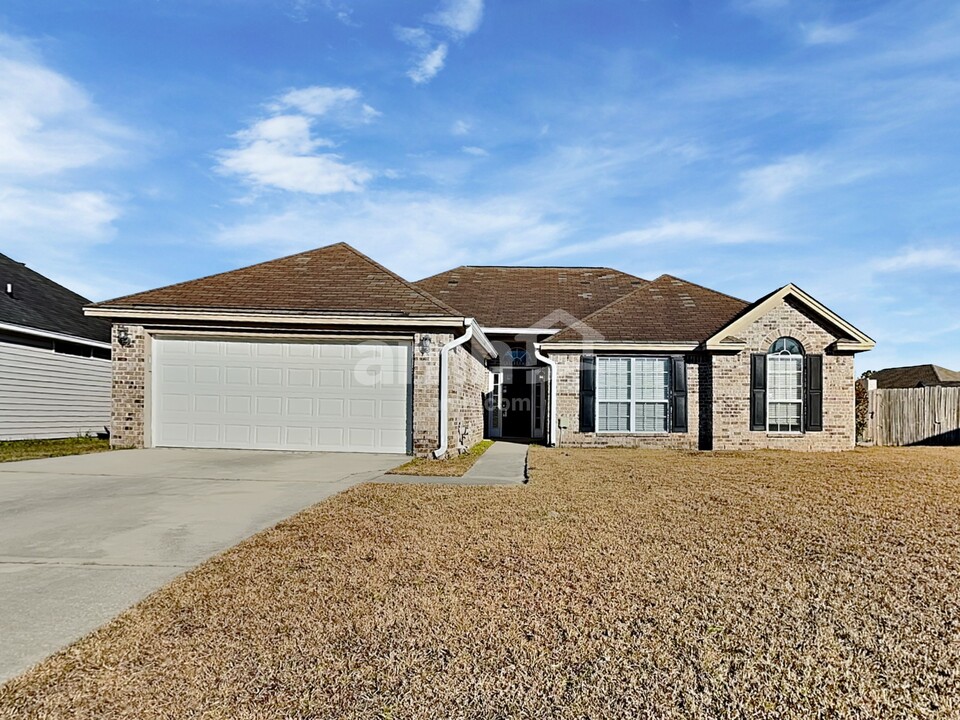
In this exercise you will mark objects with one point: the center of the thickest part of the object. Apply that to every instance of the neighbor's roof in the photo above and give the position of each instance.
(915, 376)
(40, 303)
(526, 297)
(332, 279)
(665, 310)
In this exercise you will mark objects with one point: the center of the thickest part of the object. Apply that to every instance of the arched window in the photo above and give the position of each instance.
(785, 386)
(518, 357)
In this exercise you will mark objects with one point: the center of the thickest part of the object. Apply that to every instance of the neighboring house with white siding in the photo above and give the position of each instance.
(55, 373)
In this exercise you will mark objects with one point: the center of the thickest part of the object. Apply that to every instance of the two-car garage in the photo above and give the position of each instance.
(281, 394)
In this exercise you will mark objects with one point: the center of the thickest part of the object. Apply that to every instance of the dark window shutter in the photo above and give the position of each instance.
(813, 383)
(678, 394)
(588, 393)
(758, 392)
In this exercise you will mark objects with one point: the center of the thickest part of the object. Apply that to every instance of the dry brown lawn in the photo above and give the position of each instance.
(453, 466)
(618, 583)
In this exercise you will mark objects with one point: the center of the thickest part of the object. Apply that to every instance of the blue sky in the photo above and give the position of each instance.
(741, 144)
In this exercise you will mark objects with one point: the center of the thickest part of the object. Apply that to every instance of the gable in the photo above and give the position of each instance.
(847, 337)
(332, 279)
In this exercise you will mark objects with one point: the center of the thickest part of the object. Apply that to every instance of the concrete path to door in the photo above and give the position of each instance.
(84, 537)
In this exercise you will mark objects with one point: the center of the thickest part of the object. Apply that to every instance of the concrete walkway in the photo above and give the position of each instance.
(84, 537)
(505, 463)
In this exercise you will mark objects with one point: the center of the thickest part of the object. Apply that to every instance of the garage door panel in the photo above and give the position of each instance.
(282, 395)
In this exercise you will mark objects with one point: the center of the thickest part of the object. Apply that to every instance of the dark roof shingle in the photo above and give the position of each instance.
(665, 310)
(523, 297)
(40, 303)
(916, 376)
(332, 279)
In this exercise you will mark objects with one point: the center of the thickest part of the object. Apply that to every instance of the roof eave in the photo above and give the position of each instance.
(303, 317)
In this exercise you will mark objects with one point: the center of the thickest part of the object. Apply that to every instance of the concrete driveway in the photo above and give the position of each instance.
(84, 537)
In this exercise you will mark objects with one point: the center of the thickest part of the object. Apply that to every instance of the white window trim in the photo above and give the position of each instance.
(631, 401)
(802, 429)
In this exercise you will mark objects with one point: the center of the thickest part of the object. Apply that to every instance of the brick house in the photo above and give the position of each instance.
(328, 350)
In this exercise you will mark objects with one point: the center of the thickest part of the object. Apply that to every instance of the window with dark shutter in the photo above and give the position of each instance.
(588, 393)
(813, 383)
(758, 391)
(678, 395)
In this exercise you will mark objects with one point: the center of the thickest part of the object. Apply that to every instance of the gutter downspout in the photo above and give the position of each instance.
(554, 420)
(444, 383)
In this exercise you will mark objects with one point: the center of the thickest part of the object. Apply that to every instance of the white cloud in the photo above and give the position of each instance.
(342, 103)
(414, 234)
(931, 258)
(48, 123)
(31, 216)
(460, 127)
(456, 19)
(823, 34)
(429, 65)
(475, 151)
(772, 182)
(459, 17)
(282, 152)
(703, 232)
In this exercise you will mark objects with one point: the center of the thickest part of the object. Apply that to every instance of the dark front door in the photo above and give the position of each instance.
(517, 405)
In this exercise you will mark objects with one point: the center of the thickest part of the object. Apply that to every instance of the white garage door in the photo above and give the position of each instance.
(281, 395)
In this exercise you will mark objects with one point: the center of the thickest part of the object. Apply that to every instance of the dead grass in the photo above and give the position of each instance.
(455, 466)
(619, 583)
(33, 449)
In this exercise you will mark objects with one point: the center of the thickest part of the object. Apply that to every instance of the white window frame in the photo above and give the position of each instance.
(799, 403)
(632, 400)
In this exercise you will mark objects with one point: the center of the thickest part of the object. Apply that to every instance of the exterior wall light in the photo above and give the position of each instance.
(123, 336)
(424, 344)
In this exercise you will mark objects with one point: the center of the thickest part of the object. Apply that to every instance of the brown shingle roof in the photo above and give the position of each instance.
(665, 310)
(336, 279)
(522, 297)
(916, 376)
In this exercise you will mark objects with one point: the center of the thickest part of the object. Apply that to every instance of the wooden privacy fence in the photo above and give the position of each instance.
(913, 416)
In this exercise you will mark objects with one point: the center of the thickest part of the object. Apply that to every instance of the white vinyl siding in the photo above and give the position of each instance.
(278, 395)
(632, 394)
(784, 393)
(44, 394)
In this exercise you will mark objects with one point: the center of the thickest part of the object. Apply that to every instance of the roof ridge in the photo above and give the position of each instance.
(406, 283)
(223, 272)
(704, 287)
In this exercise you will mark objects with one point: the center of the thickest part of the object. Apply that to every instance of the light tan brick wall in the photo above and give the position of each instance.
(128, 419)
(731, 381)
(568, 410)
(426, 393)
(469, 382)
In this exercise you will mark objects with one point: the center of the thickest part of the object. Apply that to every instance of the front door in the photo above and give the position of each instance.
(517, 405)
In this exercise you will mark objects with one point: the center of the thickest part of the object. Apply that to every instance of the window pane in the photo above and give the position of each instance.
(651, 417)
(613, 417)
(651, 378)
(784, 378)
(784, 417)
(613, 379)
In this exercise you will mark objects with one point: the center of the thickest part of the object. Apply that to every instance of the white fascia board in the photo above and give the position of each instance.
(619, 347)
(265, 317)
(520, 331)
(54, 335)
(860, 341)
(482, 340)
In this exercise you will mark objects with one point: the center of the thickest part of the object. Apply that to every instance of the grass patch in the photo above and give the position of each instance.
(449, 467)
(33, 449)
(617, 584)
